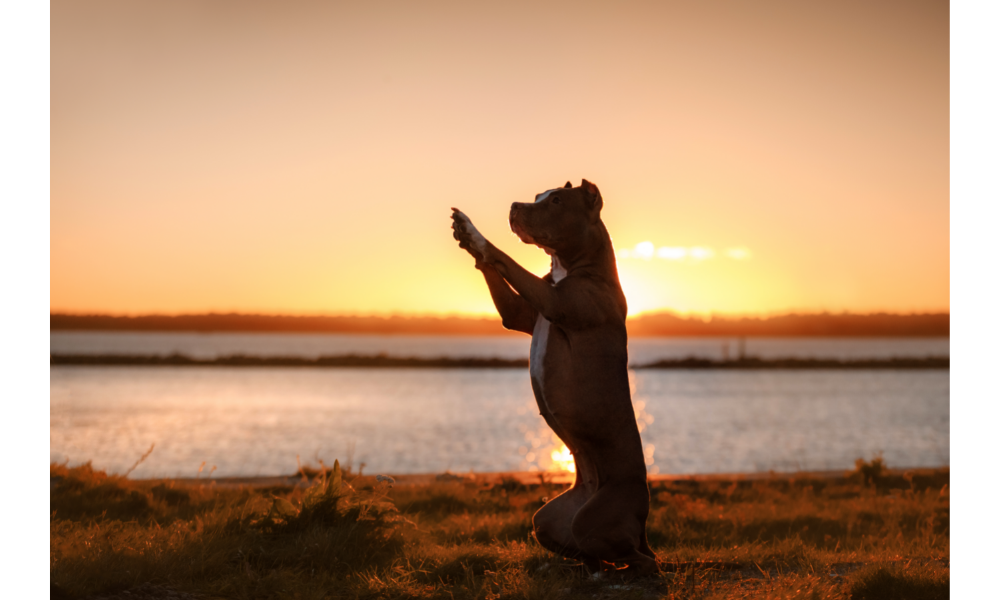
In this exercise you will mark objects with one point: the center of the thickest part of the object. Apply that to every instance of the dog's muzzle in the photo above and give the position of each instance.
(516, 213)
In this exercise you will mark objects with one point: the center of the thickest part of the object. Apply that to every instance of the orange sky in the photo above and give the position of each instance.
(302, 157)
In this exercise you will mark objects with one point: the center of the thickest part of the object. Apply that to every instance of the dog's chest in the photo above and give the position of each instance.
(558, 271)
(539, 345)
(540, 335)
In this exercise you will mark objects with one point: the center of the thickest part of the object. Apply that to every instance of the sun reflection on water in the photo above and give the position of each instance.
(562, 460)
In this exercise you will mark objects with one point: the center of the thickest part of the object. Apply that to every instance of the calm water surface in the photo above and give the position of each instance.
(255, 421)
(641, 350)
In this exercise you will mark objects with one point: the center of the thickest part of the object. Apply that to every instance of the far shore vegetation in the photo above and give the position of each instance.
(332, 533)
(644, 325)
(385, 361)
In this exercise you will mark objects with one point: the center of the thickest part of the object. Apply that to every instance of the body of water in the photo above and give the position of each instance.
(641, 350)
(255, 421)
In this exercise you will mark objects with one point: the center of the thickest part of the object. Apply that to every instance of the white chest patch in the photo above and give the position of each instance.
(558, 271)
(539, 343)
(540, 336)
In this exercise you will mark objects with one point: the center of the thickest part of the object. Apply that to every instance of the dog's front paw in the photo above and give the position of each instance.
(468, 236)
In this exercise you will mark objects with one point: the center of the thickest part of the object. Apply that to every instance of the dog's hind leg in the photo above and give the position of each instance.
(611, 527)
(552, 525)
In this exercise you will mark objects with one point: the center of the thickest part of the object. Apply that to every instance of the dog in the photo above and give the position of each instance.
(578, 367)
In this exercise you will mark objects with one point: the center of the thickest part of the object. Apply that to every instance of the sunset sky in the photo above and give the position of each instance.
(754, 157)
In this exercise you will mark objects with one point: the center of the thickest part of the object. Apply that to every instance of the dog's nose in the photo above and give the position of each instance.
(513, 209)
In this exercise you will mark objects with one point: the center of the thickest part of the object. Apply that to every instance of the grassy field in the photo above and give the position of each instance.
(869, 534)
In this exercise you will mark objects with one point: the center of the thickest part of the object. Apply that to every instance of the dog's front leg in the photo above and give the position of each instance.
(515, 312)
(538, 293)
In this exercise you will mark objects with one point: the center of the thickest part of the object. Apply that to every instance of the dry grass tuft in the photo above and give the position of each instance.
(864, 535)
(892, 582)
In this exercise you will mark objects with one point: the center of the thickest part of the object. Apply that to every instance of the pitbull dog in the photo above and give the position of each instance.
(576, 318)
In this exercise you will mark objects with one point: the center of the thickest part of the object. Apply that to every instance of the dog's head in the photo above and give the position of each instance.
(559, 220)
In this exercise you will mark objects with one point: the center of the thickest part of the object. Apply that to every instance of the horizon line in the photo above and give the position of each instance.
(489, 316)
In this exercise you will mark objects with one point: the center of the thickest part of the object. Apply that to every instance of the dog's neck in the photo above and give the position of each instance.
(558, 271)
(600, 264)
(593, 253)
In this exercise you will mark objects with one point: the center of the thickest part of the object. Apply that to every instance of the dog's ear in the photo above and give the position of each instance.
(568, 185)
(593, 195)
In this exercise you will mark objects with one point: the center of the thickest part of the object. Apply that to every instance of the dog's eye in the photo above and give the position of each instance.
(555, 200)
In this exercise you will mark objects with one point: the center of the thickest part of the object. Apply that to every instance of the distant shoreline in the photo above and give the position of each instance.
(660, 324)
(384, 361)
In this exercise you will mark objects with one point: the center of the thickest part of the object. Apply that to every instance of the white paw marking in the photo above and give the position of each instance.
(478, 241)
